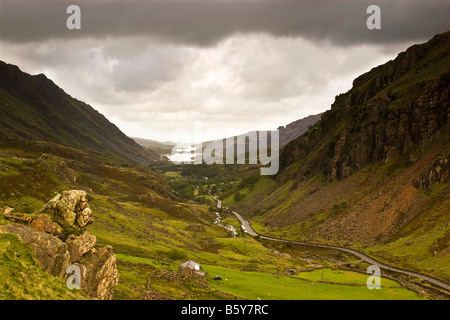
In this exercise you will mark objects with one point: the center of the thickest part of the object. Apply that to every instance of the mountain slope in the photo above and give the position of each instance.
(389, 111)
(297, 128)
(33, 108)
(160, 148)
(249, 142)
(374, 172)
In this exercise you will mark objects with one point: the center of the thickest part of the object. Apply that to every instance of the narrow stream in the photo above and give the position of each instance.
(228, 227)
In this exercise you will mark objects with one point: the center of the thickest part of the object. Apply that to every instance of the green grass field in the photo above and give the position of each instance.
(151, 233)
(266, 286)
(23, 279)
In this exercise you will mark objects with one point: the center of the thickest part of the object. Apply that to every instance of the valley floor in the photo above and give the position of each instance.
(152, 235)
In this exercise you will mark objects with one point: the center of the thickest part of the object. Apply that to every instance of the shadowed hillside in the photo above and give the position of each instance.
(34, 109)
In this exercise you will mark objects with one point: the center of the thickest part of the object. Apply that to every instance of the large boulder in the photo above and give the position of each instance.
(44, 223)
(99, 274)
(51, 253)
(69, 213)
(70, 209)
(66, 216)
(80, 245)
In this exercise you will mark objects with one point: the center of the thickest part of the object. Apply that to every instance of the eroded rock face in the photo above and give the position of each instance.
(437, 172)
(44, 223)
(379, 119)
(70, 209)
(78, 246)
(51, 252)
(99, 274)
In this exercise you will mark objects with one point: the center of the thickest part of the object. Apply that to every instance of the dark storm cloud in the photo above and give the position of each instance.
(205, 23)
(236, 65)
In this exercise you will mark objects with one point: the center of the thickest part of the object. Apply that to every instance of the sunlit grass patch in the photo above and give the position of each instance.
(23, 279)
(267, 286)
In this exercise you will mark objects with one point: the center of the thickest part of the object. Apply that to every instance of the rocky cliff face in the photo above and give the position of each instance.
(51, 252)
(297, 128)
(69, 210)
(374, 172)
(437, 172)
(56, 247)
(395, 109)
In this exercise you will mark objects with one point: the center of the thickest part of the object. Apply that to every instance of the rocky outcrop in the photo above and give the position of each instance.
(65, 173)
(393, 110)
(51, 252)
(69, 211)
(99, 274)
(437, 172)
(44, 223)
(79, 246)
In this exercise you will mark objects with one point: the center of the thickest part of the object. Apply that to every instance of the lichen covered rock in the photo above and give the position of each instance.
(99, 274)
(70, 209)
(80, 245)
(66, 216)
(44, 223)
(437, 172)
(51, 253)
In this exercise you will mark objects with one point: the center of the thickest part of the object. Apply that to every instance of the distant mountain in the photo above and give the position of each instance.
(161, 148)
(295, 129)
(34, 109)
(286, 134)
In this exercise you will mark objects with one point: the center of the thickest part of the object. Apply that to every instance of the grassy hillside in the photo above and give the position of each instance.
(23, 278)
(160, 148)
(33, 108)
(343, 285)
(373, 174)
(152, 234)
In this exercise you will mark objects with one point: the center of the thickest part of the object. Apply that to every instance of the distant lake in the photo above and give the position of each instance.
(183, 154)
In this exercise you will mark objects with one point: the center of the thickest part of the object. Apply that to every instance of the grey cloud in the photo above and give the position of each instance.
(205, 23)
(145, 70)
(246, 65)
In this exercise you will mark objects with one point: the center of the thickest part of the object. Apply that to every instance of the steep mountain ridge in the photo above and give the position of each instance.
(33, 108)
(389, 111)
(374, 172)
(296, 128)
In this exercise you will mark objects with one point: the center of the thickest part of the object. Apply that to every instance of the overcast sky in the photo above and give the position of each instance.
(152, 67)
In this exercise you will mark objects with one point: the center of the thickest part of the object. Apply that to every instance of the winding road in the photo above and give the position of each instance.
(246, 227)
